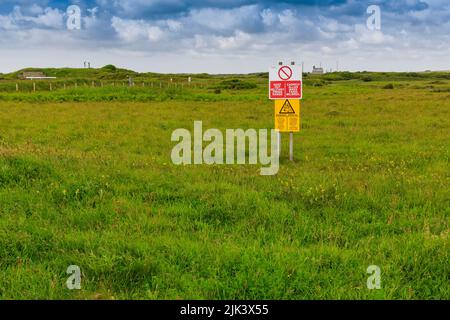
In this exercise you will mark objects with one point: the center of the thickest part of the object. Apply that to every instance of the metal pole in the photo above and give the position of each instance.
(291, 146)
(279, 144)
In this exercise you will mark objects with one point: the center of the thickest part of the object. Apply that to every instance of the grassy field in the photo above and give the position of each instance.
(89, 181)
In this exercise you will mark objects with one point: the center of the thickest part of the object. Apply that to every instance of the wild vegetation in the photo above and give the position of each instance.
(86, 179)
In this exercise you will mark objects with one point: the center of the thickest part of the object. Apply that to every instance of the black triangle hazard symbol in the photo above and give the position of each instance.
(287, 108)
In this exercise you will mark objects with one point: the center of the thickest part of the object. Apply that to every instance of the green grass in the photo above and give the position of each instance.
(91, 183)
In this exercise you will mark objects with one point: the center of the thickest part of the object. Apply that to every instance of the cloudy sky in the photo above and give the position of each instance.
(225, 36)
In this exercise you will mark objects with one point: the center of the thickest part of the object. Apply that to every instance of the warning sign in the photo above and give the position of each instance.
(287, 115)
(285, 82)
(287, 108)
(285, 73)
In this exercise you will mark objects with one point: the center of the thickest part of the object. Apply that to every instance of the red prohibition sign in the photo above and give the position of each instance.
(285, 73)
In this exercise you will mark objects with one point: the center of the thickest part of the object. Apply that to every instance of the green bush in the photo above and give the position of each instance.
(236, 84)
(110, 67)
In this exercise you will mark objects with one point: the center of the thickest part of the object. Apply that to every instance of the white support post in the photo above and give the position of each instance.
(279, 144)
(291, 146)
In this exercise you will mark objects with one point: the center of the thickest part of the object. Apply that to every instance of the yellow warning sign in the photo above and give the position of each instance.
(287, 115)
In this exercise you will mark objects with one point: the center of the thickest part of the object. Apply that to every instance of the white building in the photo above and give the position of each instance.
(318, 70)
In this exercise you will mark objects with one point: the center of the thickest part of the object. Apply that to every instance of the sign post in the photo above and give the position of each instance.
(291, 146)
(285, 87)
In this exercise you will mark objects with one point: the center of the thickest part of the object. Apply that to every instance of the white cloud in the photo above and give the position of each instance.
(287, 18)
(128, 30)
(366, 36)
(136, 30)
(154, 33)
(35, 9)
(199, 41)
(212, 44)
(268, 18)
(7, 23)
(174, 25)
(222, 19)
(238, 40)
(52, 18)
(350, 44)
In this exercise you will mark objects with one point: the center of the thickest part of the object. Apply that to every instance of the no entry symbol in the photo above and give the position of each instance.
(285, 73)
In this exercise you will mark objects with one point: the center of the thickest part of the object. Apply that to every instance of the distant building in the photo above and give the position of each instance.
(30, 75)
(27, 74)
(317, 70)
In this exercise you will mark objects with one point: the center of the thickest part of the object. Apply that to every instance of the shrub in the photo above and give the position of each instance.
(236, 84)
(110, 67)
(389, 86)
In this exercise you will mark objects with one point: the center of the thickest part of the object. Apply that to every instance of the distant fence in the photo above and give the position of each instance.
(38, 86)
